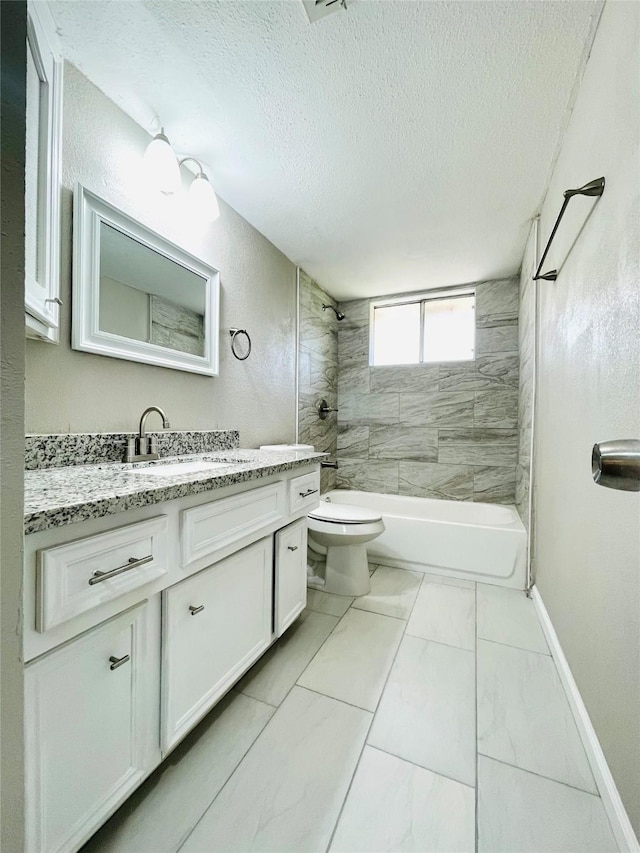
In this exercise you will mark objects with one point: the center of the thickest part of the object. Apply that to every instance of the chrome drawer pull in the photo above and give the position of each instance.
(292, 547)
(116, 662)
(307, 493)
(132, 563)
(195, 610)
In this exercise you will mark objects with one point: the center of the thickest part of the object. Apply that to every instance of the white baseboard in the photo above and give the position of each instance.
(616, 812)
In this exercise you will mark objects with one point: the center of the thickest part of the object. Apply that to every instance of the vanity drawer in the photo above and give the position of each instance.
(212, 527)
(81, 575)
(304, 492)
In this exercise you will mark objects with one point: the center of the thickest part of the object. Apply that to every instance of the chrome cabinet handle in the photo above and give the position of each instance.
(195, 610)
(307, 493)
(292, 547)
(132, 563)
(116, 662)
(55, 299)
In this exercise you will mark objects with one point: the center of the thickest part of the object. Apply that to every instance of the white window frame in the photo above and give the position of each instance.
(42, 303)
(411, 299)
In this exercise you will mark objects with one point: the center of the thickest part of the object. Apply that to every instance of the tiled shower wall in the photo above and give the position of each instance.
(317, 372)
(527, 327)
(437, 431)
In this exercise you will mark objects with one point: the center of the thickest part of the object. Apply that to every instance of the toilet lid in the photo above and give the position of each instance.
(342, 513)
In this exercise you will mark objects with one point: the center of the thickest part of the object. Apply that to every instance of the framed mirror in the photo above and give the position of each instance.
(138, 296)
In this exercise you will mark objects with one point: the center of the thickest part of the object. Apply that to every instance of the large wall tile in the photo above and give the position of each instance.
(317, 335)
(496, 408)
(353, 440)
(394, 441)
(356, 313)
(437, 408)
(497, 339)
(435, 480)
(353, 380)
(353, 347)
(478, 446)
(497, 297)
(460, 376)
(375, 475)
(407, 378)
(494, 484)
(317, 372)
(369, 408)
(324, 374)
(499, 370)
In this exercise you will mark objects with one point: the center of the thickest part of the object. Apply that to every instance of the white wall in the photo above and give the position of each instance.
(587, 538)
(69, 391)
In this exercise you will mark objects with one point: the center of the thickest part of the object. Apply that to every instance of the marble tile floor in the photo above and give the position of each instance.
(425, 716)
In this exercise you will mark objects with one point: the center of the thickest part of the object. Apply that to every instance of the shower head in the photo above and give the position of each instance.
(339, 314)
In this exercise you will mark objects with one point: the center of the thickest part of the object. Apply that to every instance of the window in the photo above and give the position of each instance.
(424, 328)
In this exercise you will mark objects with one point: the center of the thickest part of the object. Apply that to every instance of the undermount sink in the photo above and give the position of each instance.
(174, 469)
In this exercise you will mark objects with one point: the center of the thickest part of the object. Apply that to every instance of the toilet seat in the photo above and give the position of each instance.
(334, 513)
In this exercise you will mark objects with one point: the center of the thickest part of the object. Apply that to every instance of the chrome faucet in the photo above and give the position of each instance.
(143, 447)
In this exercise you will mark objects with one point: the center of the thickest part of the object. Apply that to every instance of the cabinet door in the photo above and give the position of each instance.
(216, 623)
(92, 727)
(291, 573)
(42, 189)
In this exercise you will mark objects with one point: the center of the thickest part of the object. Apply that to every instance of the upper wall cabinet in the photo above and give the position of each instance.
(136, 295)
(43, 167)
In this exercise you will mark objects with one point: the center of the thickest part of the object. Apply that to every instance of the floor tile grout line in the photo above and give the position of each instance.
(518, 648)
(540, 776)
(333, 698)
(421, 766)
(232, 773)
(253, 742)
(440, 643)
(373, 715)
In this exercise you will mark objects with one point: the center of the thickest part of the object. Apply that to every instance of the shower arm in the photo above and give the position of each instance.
(339, 314)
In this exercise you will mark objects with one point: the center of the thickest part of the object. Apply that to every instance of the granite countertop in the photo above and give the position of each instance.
(59, 496)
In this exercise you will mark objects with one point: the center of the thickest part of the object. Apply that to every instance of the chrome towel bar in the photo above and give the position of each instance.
(595, 188)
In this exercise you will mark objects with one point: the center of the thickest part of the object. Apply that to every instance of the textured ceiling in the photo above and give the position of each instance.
(389, 147)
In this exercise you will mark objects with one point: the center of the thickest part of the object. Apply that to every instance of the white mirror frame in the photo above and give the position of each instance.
(88, 213)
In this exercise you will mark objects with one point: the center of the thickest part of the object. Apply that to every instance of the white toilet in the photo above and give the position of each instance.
(343, 530)
(340, 531)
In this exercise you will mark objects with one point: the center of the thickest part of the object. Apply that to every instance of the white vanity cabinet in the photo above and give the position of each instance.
(136, 624)
(291, 574)
(215, 625)
(91, 710)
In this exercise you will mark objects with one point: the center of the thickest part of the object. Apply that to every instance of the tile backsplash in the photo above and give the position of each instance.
(438, 430)
(57, 451)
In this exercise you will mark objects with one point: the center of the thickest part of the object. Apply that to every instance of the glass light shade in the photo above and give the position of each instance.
(203, 199)
(161, 164)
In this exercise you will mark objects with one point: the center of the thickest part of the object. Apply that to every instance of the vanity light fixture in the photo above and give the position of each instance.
(164, 170)
(202, 195)
(161, 164)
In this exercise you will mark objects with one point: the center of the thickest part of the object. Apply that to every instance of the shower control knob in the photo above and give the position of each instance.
(323, 409)
(616, 464)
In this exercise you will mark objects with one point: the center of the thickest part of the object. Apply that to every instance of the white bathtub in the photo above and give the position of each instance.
(475, 541)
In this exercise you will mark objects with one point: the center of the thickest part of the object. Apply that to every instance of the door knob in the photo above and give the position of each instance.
(616, 464)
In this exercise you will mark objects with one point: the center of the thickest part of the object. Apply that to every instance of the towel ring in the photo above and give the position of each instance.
(234, 334)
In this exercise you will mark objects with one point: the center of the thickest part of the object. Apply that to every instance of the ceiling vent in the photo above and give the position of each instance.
(317, 9)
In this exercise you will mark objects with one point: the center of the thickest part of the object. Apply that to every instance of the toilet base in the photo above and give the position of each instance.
(347, 571)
